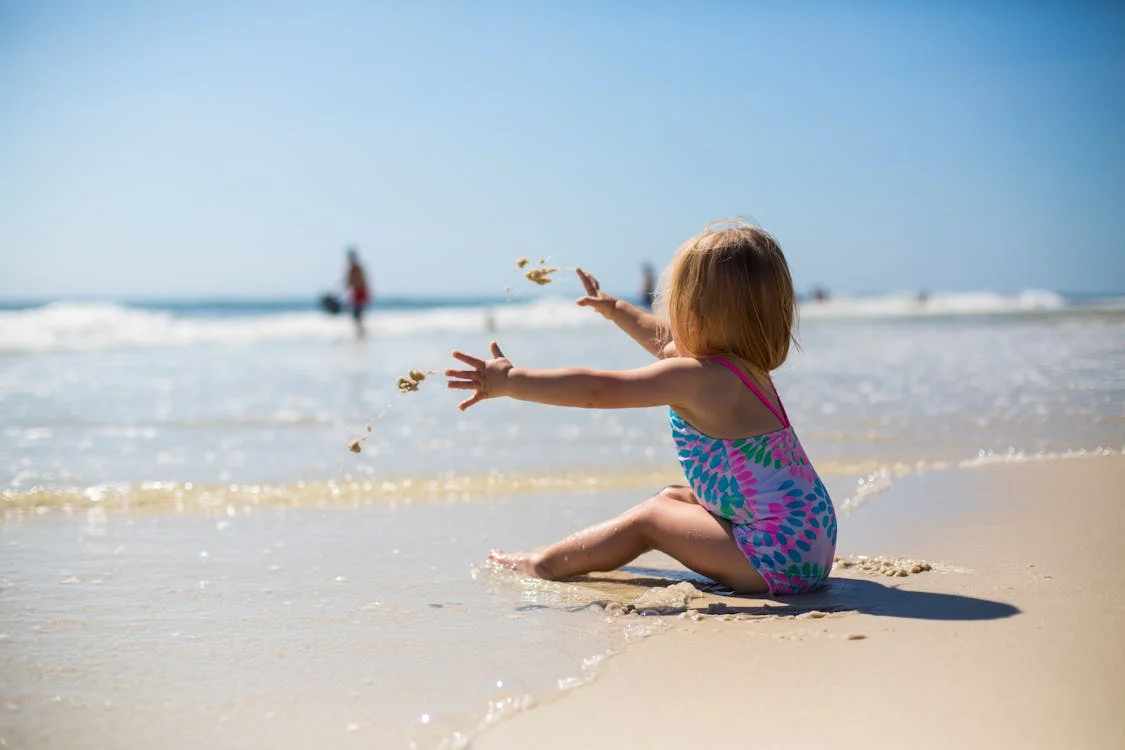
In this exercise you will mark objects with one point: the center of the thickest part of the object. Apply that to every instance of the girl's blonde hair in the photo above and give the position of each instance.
(728, 292)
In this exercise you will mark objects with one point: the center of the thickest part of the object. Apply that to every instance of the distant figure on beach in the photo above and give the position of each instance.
(820, 294)
(358, 291)
(648, 285)
(754, 515)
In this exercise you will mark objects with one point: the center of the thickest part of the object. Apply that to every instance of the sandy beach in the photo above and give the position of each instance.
(1011, 639)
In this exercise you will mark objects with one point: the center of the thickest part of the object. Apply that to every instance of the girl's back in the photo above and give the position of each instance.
(726, 408)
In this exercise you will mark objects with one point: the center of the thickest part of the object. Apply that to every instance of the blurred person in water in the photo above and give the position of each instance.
(357, 289)
(754, 515)
(648, 285)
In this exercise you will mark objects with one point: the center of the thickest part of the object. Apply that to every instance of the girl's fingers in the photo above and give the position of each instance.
(462, 374)
(587, 281)
(495, 349)
(468, 359)
(463, 385)
(470, 401)
(595, 302)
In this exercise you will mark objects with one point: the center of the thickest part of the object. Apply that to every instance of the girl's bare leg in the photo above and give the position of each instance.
(670, 521)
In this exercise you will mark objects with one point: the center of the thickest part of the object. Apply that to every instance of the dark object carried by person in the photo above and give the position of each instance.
(331, 304)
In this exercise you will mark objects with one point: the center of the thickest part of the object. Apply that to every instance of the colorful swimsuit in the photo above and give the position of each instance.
(780, 513)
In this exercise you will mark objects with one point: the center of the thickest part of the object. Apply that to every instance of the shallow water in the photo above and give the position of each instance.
(338, 627)
(863, 393)
(190, 555)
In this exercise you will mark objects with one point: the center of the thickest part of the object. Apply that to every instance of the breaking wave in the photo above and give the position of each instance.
(77, 326)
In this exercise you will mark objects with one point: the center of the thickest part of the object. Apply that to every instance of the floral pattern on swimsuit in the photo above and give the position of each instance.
(780, 513)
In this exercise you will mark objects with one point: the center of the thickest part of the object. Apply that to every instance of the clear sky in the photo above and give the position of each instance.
(172, 149)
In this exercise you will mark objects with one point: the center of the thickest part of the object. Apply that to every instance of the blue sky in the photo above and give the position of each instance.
(234, 149)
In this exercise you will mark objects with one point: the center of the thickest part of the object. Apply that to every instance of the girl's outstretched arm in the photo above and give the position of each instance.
(643, 327)
(672, 382)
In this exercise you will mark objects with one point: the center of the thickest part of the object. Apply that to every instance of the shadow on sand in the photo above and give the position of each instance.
(840, 595)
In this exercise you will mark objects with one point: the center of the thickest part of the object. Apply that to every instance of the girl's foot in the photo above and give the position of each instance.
(525, 562)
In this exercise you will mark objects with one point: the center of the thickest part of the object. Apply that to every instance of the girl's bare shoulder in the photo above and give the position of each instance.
(699, 385)
(723, 406)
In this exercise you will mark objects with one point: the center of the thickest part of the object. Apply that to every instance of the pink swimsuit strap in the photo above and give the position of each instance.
(782, 416)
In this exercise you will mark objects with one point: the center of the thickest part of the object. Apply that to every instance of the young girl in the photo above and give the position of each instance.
(756, 516)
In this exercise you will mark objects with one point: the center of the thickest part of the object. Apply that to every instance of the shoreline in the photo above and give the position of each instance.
(1011, 639)
(863, 481)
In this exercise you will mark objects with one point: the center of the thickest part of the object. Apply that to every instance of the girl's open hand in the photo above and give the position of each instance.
(486, 379)
(595, 297)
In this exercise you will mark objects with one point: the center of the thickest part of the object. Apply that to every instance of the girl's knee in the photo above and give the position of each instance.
(679, 493)
(652, 514)
(654, 504)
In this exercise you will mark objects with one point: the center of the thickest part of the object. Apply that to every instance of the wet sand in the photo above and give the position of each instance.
(1012, 638)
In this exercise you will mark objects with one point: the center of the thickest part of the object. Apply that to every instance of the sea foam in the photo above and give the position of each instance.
(78, 326)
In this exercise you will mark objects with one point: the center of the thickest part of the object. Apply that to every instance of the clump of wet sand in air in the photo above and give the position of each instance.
(540, 274)
(356, 446)
(409, 383)
(880, 565)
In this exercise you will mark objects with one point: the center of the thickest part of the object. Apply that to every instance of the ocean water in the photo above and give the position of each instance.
(190, 554)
